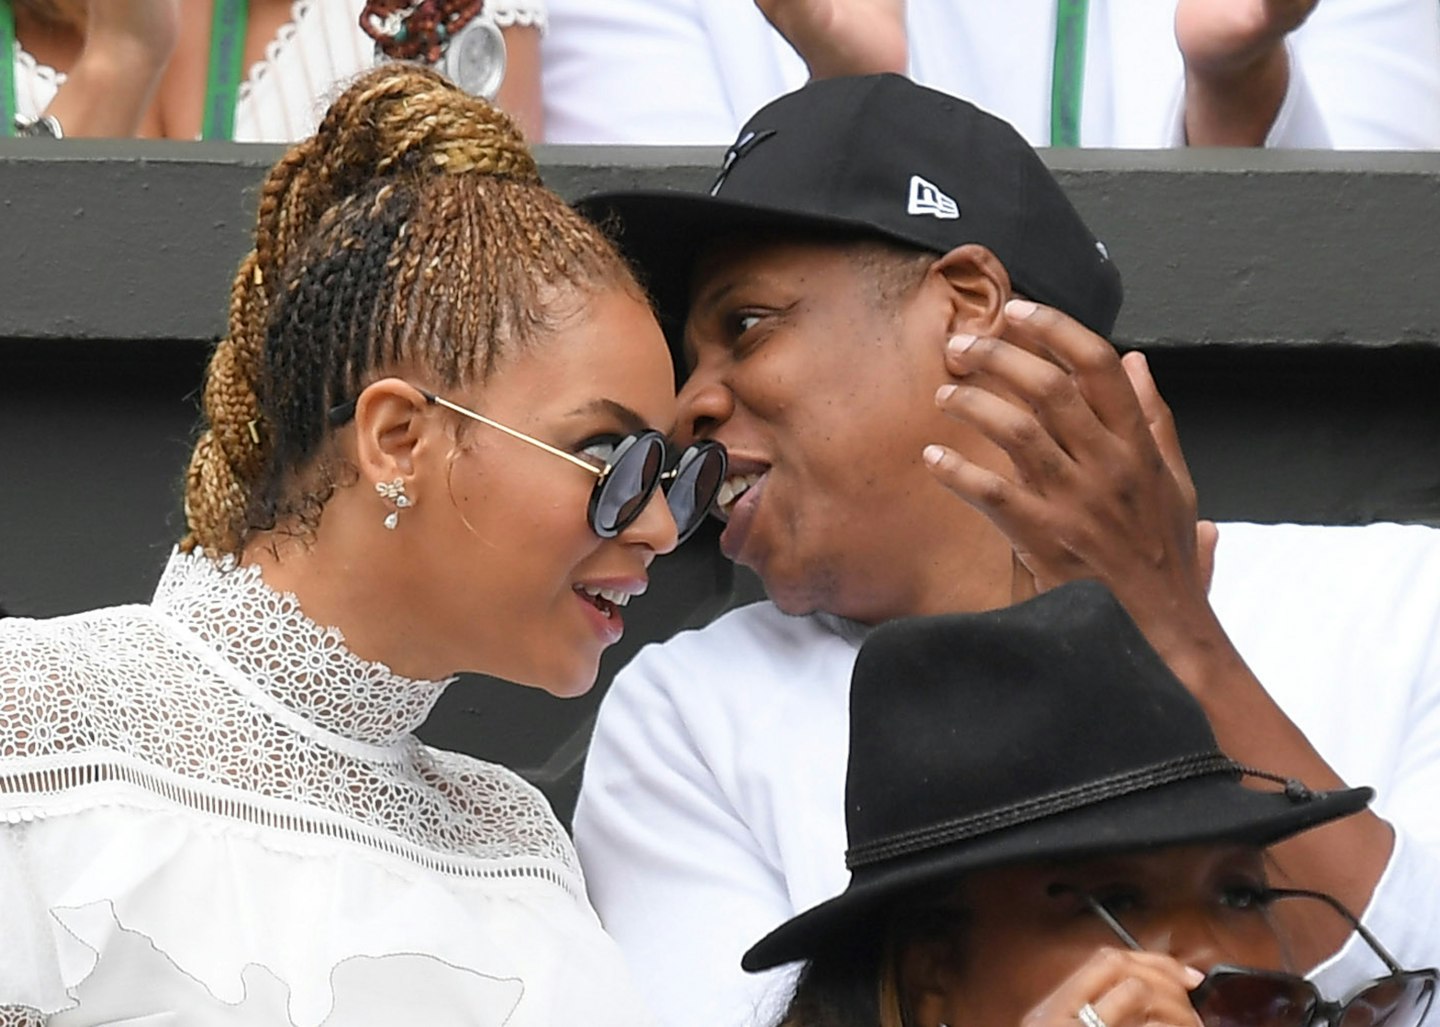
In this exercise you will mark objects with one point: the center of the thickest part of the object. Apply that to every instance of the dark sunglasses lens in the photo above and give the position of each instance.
(1254, 1000)
(627, 488)
(1394, 1002)
(697, 480)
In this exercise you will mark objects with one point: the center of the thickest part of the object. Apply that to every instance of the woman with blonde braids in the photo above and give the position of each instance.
(433, 431)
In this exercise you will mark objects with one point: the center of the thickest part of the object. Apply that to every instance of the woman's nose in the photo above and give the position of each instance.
(1192, 938)
(655, 528)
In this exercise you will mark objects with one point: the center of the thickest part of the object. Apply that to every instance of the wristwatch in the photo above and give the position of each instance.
(474, 58)
(41, 126)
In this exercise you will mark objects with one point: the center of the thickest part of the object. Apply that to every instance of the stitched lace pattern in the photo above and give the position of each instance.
(20, 1016)
(223, 697)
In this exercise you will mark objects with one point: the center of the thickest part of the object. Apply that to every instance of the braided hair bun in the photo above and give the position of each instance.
(413, 229)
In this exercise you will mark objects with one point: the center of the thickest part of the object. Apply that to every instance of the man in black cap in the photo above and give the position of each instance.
(869, 307)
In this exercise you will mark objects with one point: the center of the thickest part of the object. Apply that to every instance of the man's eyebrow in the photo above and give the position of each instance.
(703, 304)
(713, 297)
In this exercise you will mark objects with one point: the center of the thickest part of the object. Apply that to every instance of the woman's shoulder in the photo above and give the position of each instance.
(49, 669)
(45, 646)
(495, 809)
(477, 786)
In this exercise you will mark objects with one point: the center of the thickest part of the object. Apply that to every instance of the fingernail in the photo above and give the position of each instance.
(960, 343)
(944, 392)
(1019, 310)
(1193, 976)
(933, 455)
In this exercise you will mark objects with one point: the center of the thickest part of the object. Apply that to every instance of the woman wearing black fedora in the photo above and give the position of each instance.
(1059, 842)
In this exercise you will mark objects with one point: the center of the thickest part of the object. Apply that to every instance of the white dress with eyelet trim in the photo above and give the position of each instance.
(213, 812)
(308, 63)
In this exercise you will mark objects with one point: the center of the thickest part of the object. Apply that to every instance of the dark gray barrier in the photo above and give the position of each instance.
(1289, 304)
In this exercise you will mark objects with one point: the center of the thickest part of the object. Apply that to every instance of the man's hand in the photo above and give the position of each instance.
(843, 37)
(1099, 487)
(1236, 69)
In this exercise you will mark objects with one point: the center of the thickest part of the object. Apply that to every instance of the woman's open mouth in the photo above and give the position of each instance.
(606, 600)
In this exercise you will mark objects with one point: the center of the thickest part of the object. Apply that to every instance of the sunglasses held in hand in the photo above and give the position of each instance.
(627, 481)
(1234, 996)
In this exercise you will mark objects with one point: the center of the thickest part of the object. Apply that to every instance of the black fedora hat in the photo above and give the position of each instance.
(1048, 730)
(876, 156)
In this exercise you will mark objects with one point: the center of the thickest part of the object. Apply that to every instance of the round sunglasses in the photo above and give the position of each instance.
(1237, 996)
(628, 480)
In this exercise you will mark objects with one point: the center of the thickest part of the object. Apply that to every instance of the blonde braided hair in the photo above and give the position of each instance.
(412, 229)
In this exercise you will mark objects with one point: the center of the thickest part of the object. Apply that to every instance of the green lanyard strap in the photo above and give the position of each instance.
(227, 64)
(7, 82)
(1067, 82)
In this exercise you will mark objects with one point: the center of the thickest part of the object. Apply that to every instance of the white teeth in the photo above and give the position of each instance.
(609, 594)
(733, 488)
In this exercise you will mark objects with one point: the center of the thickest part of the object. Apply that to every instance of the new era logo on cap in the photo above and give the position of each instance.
(926, 198)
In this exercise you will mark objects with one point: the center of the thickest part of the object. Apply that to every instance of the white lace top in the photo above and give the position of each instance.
(306, 65)
(211, 811)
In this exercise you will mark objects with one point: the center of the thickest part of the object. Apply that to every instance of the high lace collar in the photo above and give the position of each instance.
(265, 636)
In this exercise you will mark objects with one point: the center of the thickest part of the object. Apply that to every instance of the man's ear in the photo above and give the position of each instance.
(979, 287)
(389, 419)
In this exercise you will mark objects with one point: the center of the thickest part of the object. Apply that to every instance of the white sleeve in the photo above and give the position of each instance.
(1364, 75)
(678, 879)
(1298, 124)
(632, 71)
(1405, 906)
(1342, 625)
(1402, 916)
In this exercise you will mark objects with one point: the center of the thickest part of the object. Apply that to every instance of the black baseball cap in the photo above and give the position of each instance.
(874, 156)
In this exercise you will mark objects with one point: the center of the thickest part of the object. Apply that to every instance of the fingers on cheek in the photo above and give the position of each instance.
(946, 464)
(1042, 329)
(1001, 421)
(960, 354)
(969, 480)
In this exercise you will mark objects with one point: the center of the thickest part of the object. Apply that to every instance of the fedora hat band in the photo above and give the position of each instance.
(947, 832)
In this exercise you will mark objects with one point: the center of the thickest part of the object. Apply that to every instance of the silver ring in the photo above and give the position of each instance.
(1089, 1017)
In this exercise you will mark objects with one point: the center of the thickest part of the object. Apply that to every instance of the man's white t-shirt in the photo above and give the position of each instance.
(713, 801)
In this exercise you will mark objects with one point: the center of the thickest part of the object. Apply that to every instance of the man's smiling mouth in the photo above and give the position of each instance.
(731, 489)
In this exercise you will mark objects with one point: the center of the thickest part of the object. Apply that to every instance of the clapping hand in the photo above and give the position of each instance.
(1219, 36)
(843, 37)
(1236, 67)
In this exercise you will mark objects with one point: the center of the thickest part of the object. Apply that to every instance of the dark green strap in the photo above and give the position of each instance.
(1067, 82)
(227, 66)
(7, 82)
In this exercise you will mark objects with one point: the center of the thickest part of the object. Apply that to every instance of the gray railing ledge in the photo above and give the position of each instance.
(121, 240)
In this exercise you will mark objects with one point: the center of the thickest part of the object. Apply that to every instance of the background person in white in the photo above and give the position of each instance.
(712, 801)
(1354, 74)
